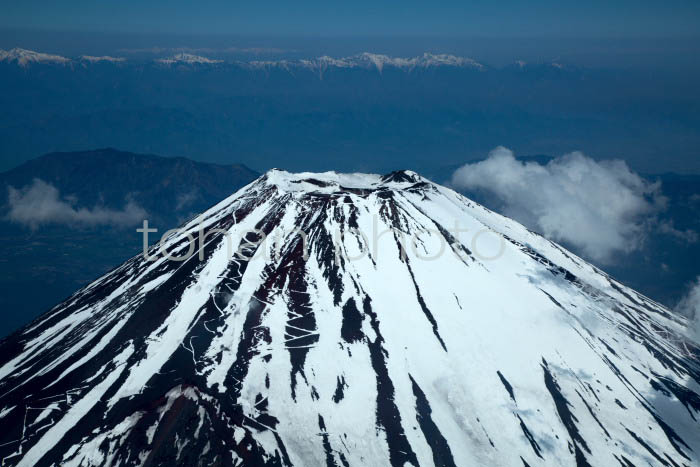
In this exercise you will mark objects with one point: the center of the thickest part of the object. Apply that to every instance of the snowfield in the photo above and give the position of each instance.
(352, 320)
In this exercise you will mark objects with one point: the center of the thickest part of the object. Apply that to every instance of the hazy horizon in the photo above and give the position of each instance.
(494, 50)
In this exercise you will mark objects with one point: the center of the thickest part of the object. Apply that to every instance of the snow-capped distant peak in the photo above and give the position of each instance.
(372, 60)
(557, 65)
(187, 58)
(326, 61)
(422, 61)
(104, 58)
(447, 60)
(24, 57)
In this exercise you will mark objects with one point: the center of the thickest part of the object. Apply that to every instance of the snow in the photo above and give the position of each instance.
(5, 411)
(187, 59)
(25, 57)
(495, 331)
(103, 58)
(367, 60)
(74, 415)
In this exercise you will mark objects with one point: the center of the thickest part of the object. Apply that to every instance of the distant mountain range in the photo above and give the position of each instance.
(24, 58)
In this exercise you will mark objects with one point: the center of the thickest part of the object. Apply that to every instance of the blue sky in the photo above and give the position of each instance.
(361, 17)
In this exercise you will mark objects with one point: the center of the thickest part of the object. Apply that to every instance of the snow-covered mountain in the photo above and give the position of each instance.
(352, 320)
(364, 60)
(187, 59)
(24, 57)
(102, 58)
(372, 61)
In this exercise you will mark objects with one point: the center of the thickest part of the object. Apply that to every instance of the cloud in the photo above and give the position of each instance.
(689, 306)
(186, 199)
(598, 207)
(41, 203)
(688, 235)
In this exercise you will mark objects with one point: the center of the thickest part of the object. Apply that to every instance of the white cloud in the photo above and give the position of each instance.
(185, 199)
(598, 207)
(689, 306)
(41, 203)
(688, 235)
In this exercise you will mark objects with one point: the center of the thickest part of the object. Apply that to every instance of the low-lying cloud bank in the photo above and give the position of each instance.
(41, 203)
(598, 207)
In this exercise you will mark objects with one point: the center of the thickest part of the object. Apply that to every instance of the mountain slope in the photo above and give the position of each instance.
(488, 346)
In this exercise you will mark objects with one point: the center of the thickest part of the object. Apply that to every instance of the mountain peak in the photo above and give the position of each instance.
(102, 58)
(402, 176)
(186, 58)
(24, 57)
(334, 182)
(368, 60)
(351, 319)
